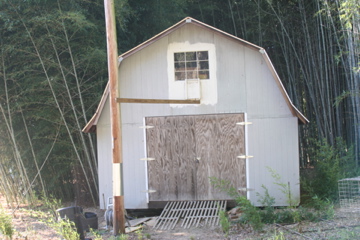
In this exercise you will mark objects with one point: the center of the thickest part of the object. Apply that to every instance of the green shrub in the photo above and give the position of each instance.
(6, 227)
(256, 217)
(268, 214)
(65, 228)
(48, 215)
(331, 163)
(250, 214)
(224, 222)
(277, 236)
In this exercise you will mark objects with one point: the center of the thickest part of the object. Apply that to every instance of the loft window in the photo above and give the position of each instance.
(191, 65)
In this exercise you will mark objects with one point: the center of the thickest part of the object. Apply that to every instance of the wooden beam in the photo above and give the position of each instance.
(115, 119)
(158, 101)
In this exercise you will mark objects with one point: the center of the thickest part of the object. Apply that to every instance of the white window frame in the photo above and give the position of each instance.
(191, 65)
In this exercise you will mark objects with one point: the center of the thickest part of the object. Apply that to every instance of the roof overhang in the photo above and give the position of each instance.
(91, 125)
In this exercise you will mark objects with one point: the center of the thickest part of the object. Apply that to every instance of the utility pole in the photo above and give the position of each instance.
(115, 119)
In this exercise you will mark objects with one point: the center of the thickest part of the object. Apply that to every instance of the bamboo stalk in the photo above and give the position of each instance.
(34, 155)
(56, 101)
(73, 108)
(82, 106)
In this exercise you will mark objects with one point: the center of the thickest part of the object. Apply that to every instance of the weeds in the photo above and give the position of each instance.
(6, 227)
(65, 228)
(277, 236)
(284, 187)
(224, 222)
(257, 217)
(51, 204)
(139, 234)
(48, 215)
(122, 237)
(250, 213)
(96, 235)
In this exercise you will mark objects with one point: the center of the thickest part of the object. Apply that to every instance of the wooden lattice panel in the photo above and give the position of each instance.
(192, 213)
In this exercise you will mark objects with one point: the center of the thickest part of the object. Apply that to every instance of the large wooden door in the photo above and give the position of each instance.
(190, 149)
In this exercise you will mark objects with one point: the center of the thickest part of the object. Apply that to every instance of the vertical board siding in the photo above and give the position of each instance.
(190, 149)
(274, 144)
(231, 74)
(264, 98)
(103, 134)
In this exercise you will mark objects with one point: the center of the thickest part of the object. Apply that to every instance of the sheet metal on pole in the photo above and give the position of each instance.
(192, 213)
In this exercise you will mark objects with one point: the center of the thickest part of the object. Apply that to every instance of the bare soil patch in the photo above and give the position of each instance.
(345, 225)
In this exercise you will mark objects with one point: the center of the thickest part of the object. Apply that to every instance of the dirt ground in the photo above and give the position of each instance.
(345, 225)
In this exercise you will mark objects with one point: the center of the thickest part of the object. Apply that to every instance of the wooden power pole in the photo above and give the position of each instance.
(115, 119)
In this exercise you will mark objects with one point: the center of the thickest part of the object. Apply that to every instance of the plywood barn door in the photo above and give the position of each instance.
(190, 149)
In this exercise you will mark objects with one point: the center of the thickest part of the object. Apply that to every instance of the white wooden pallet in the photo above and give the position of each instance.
(192, 213)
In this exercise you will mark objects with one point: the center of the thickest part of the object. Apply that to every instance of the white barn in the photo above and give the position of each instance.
(171, 150)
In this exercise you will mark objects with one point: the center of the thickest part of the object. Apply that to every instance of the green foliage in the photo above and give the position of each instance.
(139, 234)
(224, 222)
(278, 235)
(323, 208)
(250, 214)
(95, 234)
(316, 211)
(65, 228)
(331, 163)
(348, 11)
(122, 237)
(268, 214)
(6, 227)
(51, 204)
(52, 69)
(257, 217)
(284, 187)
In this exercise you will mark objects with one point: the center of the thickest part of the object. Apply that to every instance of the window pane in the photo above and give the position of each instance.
(179, 66)
(179, 57)
(179, 76)
(190, 56)
(190, 65)
(191, 75)
(204, 65)
(204, 75)
(203, 55)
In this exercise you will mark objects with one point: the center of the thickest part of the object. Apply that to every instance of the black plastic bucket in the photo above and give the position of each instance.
(90, 221)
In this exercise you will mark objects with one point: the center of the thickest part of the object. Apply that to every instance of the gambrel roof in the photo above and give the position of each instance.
(91, 125)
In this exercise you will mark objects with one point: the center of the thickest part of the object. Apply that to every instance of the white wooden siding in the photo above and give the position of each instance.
(244, 84)
(274, 143)
(103, 135)
(231, 75)
(264, 98)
